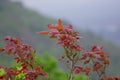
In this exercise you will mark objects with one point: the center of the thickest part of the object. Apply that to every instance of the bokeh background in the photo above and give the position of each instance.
(98, 21)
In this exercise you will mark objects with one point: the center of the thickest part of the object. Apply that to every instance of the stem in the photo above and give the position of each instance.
(96, 71)
(103, 75)
(71, 71)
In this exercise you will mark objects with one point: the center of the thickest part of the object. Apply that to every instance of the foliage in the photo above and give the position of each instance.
(25, 57)
(68, 38)
(28, 65)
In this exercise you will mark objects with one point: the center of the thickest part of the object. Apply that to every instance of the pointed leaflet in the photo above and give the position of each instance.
(60, 25)
(43, 32)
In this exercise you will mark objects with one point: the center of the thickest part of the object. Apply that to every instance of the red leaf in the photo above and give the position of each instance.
(7, 38)
(51, 26)
(87, 70)
(97, 67)
(45, 75)
(77, 71)
(2, 49)
(101, 53)
(53, 36)
(96, 48)
(60, 25)
(92, 56)
(112, 78)
(106, 61)
(43, 32)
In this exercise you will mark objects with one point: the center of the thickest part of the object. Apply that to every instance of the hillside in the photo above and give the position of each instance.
(18, 21)
(112, 35)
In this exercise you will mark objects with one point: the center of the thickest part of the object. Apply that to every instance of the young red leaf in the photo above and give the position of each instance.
(106, 61)
(92, 56)
(2, 49)
(97, 67)
(77, 71)
(43, 32)
(60, 25)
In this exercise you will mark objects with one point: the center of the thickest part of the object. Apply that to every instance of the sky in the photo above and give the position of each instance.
(87, 14)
